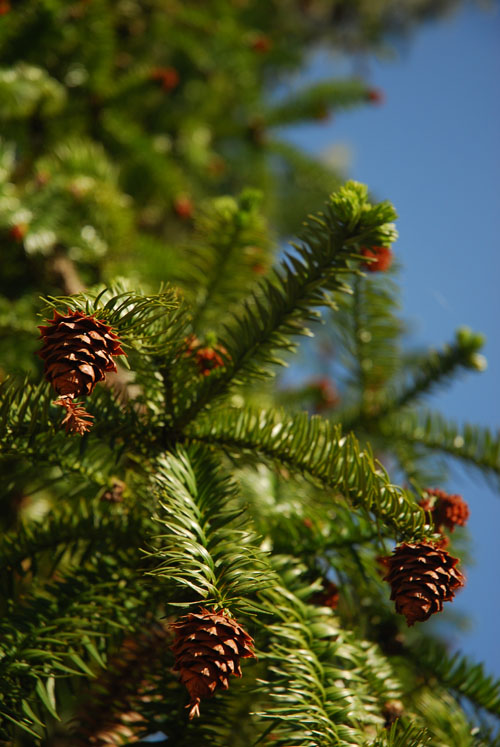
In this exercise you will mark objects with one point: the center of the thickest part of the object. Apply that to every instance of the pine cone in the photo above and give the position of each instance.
(77, 419)
(114, 494)
(422, 577)
(328, 597)
(323, 394)
(209, 358)
(206, 358)
(78, 352)
(208, 647)
(167, 76)
(391, 711)
(447, 510)
(381, 256)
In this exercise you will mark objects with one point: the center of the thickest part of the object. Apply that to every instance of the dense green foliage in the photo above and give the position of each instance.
(145, 178)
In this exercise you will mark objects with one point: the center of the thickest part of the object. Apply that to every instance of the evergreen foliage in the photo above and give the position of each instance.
(146, 181)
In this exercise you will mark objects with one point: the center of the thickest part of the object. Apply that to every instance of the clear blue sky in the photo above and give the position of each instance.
(433, 149)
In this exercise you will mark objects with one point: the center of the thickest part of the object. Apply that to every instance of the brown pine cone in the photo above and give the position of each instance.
(328, 597)
(447, 510)
(207, 358)
(391, 711)
(114, 494)
(167, 76)
(77, 419)
(77, 350)
(422, 577)
(208, 647)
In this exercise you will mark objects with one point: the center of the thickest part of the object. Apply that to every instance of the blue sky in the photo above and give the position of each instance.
(433, 149)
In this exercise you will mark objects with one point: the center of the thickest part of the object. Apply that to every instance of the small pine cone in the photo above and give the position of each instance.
(77, 419)
(77, 350)
(115, 493)
(375, 95)
(19, 230)
(422, 577)
(324, 394)
(183, 207)
(328, 597)
(207, 358)
(208, 647)
(381, 256)
(261, 43)
(167, 76)
(447, 510)
(391, 711)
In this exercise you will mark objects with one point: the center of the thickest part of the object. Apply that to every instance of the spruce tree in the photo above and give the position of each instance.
(190, 547)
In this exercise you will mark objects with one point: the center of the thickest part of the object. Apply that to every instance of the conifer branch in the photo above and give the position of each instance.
(114, 149)
(410, 735)
(369, 332)
(60, 631)
(230, 240)
(474, 446)
(121, 700)
(309, 652)
(314, 102)
(280, 310)
(315, 447)
(208, 549)
(433, 370)
(73, 527)
(459, 674)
